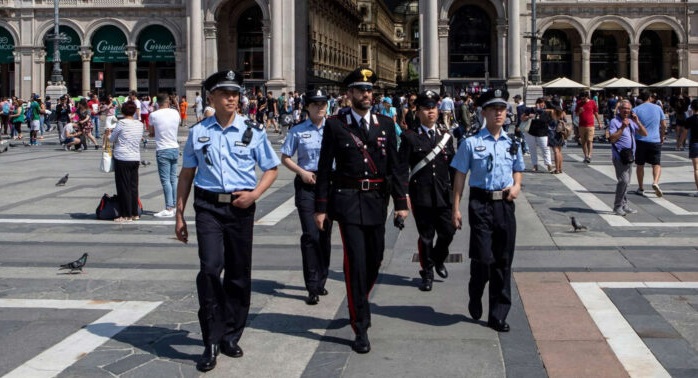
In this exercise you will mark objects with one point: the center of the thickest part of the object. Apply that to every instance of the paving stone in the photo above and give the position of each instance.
(576, 358)
(630, 301)
(326, 365)
(154, 369)
(683, 373)
(621, 277)
(651, 326)
(82, 372)
(673, 353)
(125, 364)
(686, 276)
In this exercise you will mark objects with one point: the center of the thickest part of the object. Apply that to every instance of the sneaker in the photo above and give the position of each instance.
(65, 147)
(619, 211)
(165, 214)
(587, 160)
(658, 192)
(640, 192)
(629, 210)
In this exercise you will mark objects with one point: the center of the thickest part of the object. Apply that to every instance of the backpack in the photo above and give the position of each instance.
(29, 113)
(108, 208)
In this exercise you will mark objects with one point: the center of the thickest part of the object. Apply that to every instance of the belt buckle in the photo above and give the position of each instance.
(365, 185)
(497, 195)
(225, 198)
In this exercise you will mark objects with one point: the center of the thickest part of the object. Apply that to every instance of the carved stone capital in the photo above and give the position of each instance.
(86, 54)
(132, 53)
(210, 30)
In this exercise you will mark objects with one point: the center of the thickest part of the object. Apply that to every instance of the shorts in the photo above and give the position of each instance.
(271, 115)
(70, 140)
(35, 125)
(586, 134)
(648, 152)
(693, 150)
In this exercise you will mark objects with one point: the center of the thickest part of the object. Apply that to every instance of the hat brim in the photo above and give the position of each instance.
(228, 86)
(316, 99)
(427, 104)
(495, 101)
(361, 86)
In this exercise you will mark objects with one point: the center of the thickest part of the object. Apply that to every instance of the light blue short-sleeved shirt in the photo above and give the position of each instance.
(306, 139)
(489, 161)
(650, 115)
(230, 166)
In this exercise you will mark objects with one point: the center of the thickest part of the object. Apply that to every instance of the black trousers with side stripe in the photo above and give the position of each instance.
(363, 255)
(433, 222)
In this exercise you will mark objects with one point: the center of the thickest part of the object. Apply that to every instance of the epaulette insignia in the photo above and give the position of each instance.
(196, 124)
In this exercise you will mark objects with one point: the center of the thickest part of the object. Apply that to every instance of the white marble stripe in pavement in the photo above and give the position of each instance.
(631, 351)
(279, 213)
(663, 202)
(57, 358)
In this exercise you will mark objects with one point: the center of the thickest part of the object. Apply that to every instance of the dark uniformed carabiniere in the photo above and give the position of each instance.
(306, 139)
(219, 159)
(364, 147)
(429, 150)
(495, 163)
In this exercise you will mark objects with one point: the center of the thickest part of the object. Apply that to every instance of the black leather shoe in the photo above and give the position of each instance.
(426, 284)
(498, 325)
(208, 359)
(231, 349)
(323, 291)
(441, 270)
(361, 344)
(312, 299)
(475, 308)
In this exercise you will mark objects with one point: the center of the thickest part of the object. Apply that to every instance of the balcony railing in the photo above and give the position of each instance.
(90, 3)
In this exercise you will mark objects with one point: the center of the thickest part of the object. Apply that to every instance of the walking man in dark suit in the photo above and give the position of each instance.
(363, 146)
(428, 150)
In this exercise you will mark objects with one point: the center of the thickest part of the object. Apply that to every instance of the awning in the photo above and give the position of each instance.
(682, 83)
(624, 83)
(664, 83)
(69, 48)
(109, 45)
(156, 44)
(7, 46)
(563, 82)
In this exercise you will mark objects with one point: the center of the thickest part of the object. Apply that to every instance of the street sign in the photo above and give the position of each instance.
(98, 83)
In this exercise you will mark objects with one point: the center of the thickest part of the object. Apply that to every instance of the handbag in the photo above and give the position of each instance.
(108, 207)
(563, 128)
(106, 165)
(626, 155)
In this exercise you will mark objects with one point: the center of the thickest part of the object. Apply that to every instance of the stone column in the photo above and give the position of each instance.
(132, 53)
(277, 82)
(196, 56)
(514, 41)
(211, 47)
(18, 72)
(501, 49)
(86, 56)
(586, 63)
(266, 31)
(41, 61)
(429, 45)
(634, 64)
(443, 49)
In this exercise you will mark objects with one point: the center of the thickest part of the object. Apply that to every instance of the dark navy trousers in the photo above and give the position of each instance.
(224, 234)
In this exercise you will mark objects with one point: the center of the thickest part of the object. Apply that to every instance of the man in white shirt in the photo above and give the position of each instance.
(71, 137)
(199, 107)
(164, 124)
(133, 96)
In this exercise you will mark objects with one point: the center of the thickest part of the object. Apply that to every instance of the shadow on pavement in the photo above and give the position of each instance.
(158, 341)
(421, 314)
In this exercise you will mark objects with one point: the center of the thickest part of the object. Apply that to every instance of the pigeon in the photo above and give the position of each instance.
(145, 163)
(577, 226)
(62, 181)
(76, 265)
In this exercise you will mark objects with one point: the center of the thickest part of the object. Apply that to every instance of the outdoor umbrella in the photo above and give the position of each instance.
(682, 83)
(664, 83)
(563, 82)
(624, 83)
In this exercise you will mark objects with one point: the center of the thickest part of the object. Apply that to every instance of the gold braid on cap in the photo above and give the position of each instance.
(366, 74)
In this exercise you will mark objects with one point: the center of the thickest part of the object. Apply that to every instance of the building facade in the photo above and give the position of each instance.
(280, 45)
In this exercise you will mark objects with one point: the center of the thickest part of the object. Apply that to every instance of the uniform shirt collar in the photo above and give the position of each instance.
(357, 117)
(426, 129)
(212, 121)
(485, 133)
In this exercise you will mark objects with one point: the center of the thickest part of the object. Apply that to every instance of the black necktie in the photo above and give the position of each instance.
(432, 137)
(364, 125)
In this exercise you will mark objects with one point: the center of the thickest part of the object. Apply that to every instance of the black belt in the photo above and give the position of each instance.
(358, 184)
(487, 195)
(214, 197)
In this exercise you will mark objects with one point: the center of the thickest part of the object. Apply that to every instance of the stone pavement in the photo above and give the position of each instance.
(620, 299)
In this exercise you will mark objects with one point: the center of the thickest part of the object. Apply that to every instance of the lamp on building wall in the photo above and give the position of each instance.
(56, 87)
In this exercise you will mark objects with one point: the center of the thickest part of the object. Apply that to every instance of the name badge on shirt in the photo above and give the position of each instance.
(480, 148)
(240, 144)
(204, 139)
(305, 135)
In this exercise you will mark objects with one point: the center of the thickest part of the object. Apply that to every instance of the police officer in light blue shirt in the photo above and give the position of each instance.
(495, 163)
(219, 158)
(305, 139)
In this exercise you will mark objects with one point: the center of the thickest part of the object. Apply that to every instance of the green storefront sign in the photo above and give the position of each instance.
(109, 45)
(69, 48)
(156, 44)
(7, 46)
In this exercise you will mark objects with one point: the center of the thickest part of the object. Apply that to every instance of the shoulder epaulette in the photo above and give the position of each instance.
(196, 124)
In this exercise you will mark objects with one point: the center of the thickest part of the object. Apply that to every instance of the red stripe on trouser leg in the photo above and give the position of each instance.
(347, 283)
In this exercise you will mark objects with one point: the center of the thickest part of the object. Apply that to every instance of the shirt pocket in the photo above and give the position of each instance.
(481, 159)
